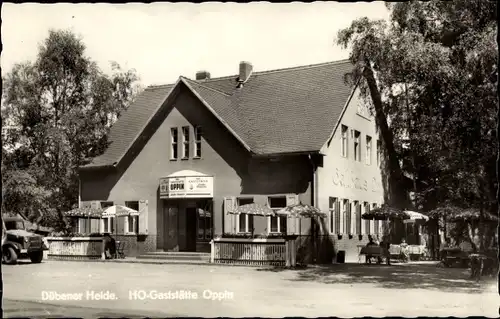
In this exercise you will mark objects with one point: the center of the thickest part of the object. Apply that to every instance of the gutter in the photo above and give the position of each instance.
(285, 154)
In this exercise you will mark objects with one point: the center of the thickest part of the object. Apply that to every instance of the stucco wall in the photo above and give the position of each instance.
(346, 178)
(223, 156)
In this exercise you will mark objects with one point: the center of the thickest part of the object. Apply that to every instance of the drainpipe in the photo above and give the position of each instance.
(314, 181)
(314, 197)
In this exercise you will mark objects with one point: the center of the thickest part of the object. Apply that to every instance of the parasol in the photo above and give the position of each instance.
(455, 213)
(301, 210)
(415, 217)
(386, 212)
(85, 212)
(118, 210)
(253, 209)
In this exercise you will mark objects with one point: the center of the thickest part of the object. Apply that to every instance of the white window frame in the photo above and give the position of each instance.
(279, 218)
(247, 220)
(347, 211)
(174, 143)
(134, 219)
(198, 133)
(333, 203)
(126, 225)
(357, 146)
(344, 141)
(368, 157)
(186, 141)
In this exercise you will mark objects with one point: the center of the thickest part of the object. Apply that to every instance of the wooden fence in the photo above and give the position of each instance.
(256, 252)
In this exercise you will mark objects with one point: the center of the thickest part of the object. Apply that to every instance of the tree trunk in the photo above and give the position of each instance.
(398, 196)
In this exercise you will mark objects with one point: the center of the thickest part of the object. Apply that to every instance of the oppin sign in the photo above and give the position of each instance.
(187, 187)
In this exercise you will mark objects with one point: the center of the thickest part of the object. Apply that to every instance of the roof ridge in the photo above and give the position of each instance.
(158, 86)
(300, 67)
(207, 87)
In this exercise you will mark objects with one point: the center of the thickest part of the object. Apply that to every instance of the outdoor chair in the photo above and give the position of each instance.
(120, 246)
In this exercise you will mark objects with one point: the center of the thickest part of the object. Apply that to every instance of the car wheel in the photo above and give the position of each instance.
(36, 257)
(9, 256)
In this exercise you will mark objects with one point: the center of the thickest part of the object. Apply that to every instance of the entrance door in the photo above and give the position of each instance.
(170, 237)
(191, 228)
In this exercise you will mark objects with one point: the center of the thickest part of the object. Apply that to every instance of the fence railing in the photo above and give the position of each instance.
(74, 247)
(242, 251)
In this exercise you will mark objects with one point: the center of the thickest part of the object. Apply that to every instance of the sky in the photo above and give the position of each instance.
(162, 41)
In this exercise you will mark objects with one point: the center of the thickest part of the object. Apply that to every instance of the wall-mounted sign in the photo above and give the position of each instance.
(350, 180)
(187, 187)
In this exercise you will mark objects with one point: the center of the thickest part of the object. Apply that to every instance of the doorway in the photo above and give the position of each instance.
(190, 228)
(171, 226)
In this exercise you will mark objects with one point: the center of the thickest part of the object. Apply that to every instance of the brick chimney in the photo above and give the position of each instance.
(202, 75)
(245, 72)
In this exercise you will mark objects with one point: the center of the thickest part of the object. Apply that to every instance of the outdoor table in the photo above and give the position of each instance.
(453, 255)
(372, 251)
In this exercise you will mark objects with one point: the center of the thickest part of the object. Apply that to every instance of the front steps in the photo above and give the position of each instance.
(176, 257)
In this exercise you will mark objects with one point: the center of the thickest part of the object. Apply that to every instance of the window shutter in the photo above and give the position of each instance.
(143, 217)
(292, 223)
(229, 219)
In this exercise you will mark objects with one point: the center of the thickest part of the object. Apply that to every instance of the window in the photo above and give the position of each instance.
(357, 146)
(197, 142)
(105, 205)
(334, 215)
(357, 206)
(367, 222)
(379, 150)
(368, 150)
(131, 222)
(185, 142)
(344, 140)
(205, 220)
(173, 143)
(277, 224)
(347, 214)
(376, 223)
(245, 221)
(88, 226)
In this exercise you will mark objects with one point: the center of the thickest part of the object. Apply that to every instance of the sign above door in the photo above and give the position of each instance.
(187, 187)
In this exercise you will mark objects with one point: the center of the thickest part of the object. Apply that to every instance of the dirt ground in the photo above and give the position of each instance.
(343, 290)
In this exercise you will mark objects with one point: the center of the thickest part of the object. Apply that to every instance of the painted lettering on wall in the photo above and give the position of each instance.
(350, 180)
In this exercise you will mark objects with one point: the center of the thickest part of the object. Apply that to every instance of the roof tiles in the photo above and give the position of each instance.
(281, 111)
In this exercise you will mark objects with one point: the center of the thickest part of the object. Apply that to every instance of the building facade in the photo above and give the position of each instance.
(185, 155)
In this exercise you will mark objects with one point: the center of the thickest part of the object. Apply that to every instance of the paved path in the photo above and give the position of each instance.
(338, 290)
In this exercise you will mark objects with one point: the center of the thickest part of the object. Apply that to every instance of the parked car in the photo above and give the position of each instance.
(18, 243)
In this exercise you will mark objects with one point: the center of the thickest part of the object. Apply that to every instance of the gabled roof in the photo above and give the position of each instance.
(281, 111)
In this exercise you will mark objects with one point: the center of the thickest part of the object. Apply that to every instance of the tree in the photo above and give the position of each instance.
(431, 74)
(56, 115)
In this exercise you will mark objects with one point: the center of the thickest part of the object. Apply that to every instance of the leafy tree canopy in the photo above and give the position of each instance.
(56, 114)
